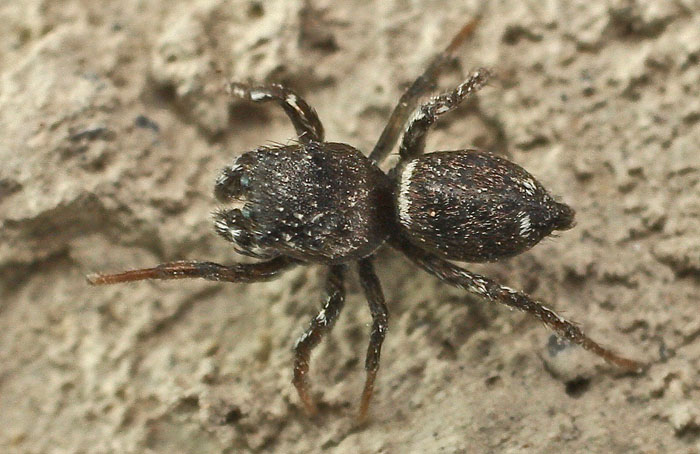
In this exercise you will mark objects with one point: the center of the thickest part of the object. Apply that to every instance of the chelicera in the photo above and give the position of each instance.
(318, 202)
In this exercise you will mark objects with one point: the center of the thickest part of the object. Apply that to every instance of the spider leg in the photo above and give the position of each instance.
(190, 269)
(380, 324)
(321, 324)
(487, 288)
(409, 100)
(413, 142)
(302, 115)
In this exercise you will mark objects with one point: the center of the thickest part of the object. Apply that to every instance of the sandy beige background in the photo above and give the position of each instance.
(113, 126)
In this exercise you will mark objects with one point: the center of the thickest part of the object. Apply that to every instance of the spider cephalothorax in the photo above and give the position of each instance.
(322, 202)
(315, 201)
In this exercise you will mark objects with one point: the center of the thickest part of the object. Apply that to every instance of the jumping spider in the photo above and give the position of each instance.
(324, 202)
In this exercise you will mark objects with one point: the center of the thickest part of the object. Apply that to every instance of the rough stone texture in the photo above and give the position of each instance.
(113, 125)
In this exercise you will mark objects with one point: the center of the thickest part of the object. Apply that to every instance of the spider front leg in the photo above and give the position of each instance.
(321, 324)
(487, 288)
(409, 100)
(380, 325)
(192, 269)
(302, 115)
(413, 142)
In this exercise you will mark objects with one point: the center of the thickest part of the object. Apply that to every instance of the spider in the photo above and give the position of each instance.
(318, 202)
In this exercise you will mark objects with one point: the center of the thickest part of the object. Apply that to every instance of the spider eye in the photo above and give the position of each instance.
(234, 182)
(247, 211)
(245, 181)
(228, 186)
(237, 227)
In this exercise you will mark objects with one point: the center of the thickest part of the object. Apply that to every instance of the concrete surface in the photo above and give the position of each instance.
(114, 124)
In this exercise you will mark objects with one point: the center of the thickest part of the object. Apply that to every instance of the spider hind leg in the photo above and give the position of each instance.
(422, 85)
(493, 292)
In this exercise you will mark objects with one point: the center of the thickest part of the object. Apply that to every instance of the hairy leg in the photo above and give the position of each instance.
(302, 115)
(190, 269)
(321, 324)
(487, 288)
(380, 324)
(413, 142)
(409, 100)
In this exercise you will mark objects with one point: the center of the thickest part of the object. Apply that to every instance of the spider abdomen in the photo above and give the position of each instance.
(474, 206)
(319, 202)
